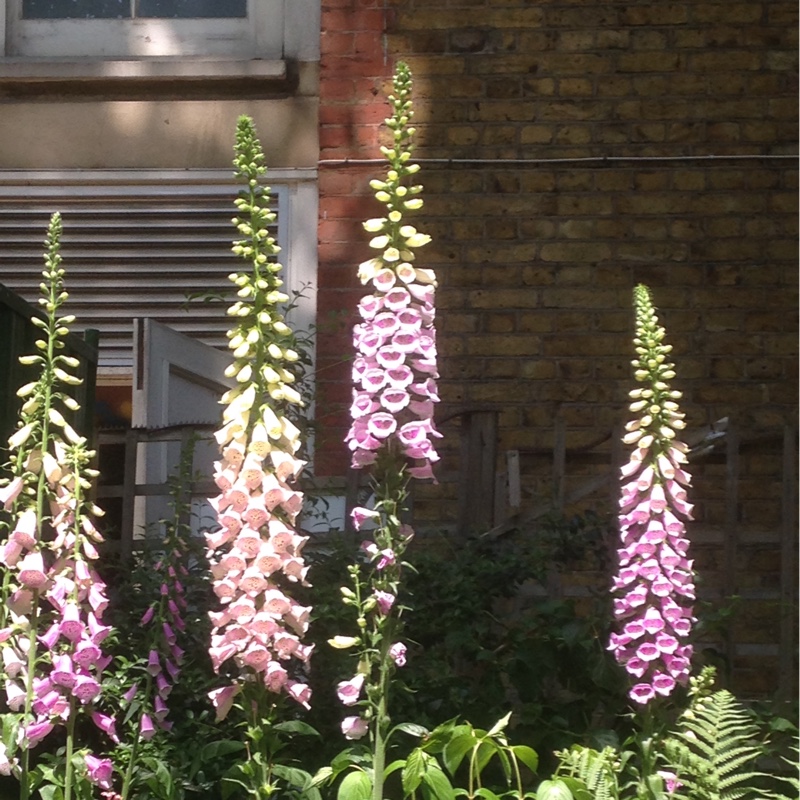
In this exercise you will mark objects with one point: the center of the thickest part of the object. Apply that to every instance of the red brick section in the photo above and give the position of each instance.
(353, 80)
(536, 262)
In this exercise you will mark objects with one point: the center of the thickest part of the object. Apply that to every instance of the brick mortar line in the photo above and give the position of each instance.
(327, 162)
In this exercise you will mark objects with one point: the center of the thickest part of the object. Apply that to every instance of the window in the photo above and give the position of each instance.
(137, 243)
(131, 9)
(140, 29)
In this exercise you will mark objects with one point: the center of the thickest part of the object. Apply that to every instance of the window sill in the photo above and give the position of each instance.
(172, 68)
(100, 76)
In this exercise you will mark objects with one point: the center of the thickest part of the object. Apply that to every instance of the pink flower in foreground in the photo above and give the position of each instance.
(349, 691)
(222, 699)
(354, 727)
(99, 770)
(654, 586)
(671, 782)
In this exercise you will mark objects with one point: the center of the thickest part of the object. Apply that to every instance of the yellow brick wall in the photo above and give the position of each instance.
(537, 250)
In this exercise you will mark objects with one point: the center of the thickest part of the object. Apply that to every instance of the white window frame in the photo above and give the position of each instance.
(273, 29)
(295, 192)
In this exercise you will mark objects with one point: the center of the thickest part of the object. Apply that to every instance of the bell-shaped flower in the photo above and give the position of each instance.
(354, 727)
(31, 571)
(100, 771)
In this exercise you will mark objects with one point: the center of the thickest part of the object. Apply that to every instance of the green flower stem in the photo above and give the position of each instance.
(76, 554)
(382, 720)
(390, 488)
(127, 781)
(24, 792)
(259, 734)
(69, 769)
(517, 775)
(648, 753)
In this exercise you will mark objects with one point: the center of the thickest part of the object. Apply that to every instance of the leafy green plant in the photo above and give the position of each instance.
(462, 747)
(584, 774)
(715, 747)
(476, 651)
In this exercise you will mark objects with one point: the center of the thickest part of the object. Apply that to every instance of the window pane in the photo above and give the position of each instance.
(75, 9)
(186, 9)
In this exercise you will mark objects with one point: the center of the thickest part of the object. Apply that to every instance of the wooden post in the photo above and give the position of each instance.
(477, 471)
(128, 496)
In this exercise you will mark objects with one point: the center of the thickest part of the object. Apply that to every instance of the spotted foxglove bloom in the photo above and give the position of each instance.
(654, 587)
(256, 553)
(395, 371)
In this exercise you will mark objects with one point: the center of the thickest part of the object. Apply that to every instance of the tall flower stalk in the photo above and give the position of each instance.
(257, 549)
(394, 376)
(654, 587)
(51, 627)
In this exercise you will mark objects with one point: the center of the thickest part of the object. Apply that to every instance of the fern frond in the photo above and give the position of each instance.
(712, 749)
(596, 770)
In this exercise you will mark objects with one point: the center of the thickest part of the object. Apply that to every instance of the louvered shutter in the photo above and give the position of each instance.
(139, 245)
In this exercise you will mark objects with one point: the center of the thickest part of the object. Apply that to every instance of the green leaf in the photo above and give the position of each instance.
(411, 728)
(10, 726)
(161, 775)
(394, 766)
(322, 775)
(527, 755)
(355, 786)
(578, 788)
(229, 785)
(500, 725)
(782, 724)
(488, 794)
(442, 734)
(553, 790)
(213, 751)
(293, 776)
(485, 752)
(505, 762)
(296, 726)
(51, 792)
(436, 781)
(413, 771)
(456, 749)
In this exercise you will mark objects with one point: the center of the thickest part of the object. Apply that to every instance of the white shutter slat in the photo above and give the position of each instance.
(131, 248)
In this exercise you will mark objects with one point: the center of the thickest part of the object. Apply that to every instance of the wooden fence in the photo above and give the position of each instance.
(743, 561)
